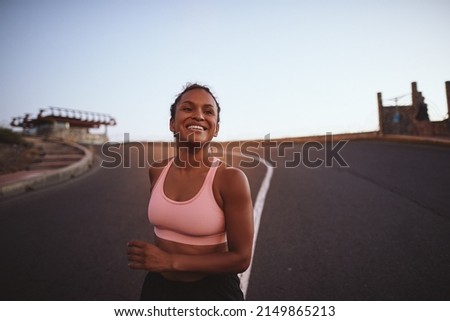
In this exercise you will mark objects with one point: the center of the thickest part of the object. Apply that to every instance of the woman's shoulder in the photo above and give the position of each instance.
(230, 176)
(160, 164)
(233, 185)
(156, 167)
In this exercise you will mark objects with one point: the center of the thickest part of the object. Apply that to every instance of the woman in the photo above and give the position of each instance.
(201, 210)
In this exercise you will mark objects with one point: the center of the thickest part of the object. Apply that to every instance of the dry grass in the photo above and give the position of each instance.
(16, 153)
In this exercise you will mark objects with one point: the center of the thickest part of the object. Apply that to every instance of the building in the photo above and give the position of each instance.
(66, 124)
(412, 119)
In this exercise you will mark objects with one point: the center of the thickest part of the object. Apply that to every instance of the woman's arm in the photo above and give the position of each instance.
(237, 206)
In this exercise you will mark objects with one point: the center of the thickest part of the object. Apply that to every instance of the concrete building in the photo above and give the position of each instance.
(66, 124)
(412, 119)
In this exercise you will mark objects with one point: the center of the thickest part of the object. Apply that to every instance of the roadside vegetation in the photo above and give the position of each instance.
(16, 153)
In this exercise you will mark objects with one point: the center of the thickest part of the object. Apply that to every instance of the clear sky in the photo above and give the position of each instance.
(284, 68)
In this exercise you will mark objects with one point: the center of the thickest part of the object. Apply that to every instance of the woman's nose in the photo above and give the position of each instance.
(198, 115)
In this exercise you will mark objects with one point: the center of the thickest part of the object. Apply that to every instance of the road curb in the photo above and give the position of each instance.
(416, 140)
(51, 177)
(441, 141)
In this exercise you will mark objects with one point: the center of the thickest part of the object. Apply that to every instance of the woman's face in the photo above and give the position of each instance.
(195, 117)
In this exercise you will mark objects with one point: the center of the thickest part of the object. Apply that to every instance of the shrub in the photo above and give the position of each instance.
(7, 136)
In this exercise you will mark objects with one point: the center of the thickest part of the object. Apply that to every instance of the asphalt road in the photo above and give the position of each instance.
(378, 229)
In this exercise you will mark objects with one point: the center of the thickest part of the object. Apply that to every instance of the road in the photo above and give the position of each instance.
(378, 229)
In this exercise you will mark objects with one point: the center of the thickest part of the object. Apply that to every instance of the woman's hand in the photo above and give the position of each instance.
(146, 256)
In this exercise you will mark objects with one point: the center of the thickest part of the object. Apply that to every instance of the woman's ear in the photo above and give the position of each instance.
(217, 130)
(172, 125)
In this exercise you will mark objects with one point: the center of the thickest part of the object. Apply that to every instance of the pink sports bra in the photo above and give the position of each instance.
(198, 221)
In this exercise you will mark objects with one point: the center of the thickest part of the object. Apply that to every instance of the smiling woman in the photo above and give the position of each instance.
(201, 210)
(196, 114)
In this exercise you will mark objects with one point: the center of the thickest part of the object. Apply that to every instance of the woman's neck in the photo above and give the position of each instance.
(192, 156)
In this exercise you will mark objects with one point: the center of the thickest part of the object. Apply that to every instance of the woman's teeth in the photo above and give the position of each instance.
(195, 127)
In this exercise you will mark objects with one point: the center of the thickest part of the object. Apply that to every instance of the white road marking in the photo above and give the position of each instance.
(257, 212)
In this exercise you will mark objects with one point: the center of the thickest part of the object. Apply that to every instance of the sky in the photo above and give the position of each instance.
(279, 68)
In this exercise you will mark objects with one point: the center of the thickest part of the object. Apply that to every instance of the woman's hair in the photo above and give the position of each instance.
(189, 87)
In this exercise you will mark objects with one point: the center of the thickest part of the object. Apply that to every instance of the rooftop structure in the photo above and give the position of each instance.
(67, 124)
